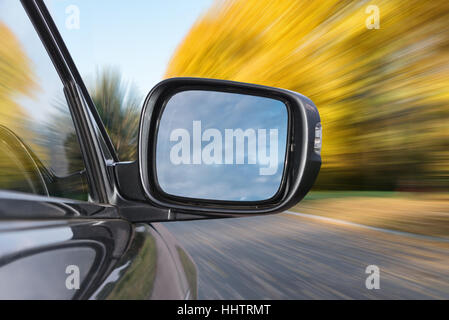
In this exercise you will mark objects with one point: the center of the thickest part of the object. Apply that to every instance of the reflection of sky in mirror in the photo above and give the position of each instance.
(218, 110)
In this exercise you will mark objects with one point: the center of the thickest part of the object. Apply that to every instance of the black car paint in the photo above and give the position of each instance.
(116, 259)
(40, 236)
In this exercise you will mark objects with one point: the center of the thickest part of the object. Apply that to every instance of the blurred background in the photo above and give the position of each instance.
(378, 75)
(383, 94)
(381, 84)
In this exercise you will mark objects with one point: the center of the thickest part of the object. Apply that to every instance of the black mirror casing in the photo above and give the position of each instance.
(301, 165)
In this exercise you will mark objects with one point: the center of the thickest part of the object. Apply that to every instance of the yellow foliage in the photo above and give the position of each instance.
(382, 93)
(15, 81)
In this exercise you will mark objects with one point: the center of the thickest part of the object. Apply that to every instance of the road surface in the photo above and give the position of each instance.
(300, 257)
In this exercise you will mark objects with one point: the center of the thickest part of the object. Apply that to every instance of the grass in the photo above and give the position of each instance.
(419, 213)
(319, 195)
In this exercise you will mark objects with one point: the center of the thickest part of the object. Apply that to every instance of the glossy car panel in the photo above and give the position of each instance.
(151, 268)
(116, 260)
(34, 257)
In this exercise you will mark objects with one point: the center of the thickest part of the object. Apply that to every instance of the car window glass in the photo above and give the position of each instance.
(121, 52)
(39, 148)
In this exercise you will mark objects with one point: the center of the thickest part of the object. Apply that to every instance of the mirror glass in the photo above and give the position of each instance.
(221, 146)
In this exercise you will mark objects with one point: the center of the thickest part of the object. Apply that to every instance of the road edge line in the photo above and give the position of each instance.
(353, 224)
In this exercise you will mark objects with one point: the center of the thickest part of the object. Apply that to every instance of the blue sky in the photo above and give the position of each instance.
(137, 36)
(220, 111)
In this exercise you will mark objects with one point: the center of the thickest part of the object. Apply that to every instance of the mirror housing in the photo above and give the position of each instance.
(302, 155)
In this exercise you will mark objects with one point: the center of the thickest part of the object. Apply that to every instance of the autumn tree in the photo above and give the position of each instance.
(16, 79)
(382, 93)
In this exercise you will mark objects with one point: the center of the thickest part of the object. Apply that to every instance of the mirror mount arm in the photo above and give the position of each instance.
(128, 180)
(131, 201)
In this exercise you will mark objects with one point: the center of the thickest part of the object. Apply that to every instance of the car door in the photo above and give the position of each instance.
(53, 242)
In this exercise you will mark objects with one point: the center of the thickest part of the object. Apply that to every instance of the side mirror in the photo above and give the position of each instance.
(221, 148)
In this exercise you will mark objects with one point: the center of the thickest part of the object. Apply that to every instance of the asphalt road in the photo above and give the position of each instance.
(290, 257)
